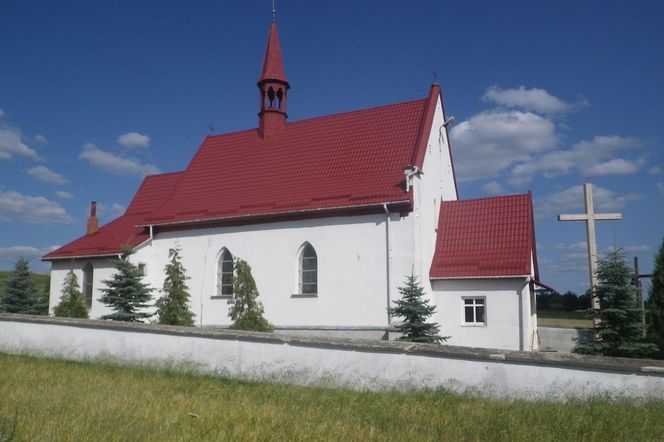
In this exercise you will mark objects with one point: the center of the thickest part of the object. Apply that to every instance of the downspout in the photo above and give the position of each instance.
(387, 262)
(151, 234)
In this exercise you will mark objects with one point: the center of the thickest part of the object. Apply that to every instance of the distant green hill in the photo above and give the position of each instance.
(40, 280)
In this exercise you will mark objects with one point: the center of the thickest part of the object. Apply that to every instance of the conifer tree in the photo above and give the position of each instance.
(246, 310)
(173, 306)
(655, 303)
(71, 302)
(20, 295)
(43, 298)
(126, 293)
(619, 331)
(415, 310)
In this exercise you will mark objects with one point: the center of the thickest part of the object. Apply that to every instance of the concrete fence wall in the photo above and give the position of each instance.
(359, 364)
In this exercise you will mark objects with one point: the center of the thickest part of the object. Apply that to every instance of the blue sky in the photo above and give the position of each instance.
(546, 96)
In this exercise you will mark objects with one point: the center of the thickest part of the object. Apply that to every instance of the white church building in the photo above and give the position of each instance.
(332, 213)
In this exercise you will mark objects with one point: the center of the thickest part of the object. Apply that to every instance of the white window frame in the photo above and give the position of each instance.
(475, 304)
(219, 288)
(88, 284)
(300, 273)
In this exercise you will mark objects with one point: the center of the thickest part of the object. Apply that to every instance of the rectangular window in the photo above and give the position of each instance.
(474, 311)
(141, 269)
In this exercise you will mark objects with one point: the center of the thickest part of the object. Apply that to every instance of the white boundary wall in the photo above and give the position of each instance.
(331, 362)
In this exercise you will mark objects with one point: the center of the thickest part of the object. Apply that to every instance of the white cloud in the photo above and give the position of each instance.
(571, 199)
(655, 170)
(11, 144)
(537, 100)
(588, 158)
(41, 139)
(46, 175)
(14, 252)
(15, 206)
(636, 248)
(493, 187)
(491, 142)
(64, 195)
(134, 140)
(115, 163)
(111, 212)
(616, 166)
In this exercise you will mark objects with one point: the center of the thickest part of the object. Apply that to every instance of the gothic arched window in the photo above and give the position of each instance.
(225, 273)
(88, 278)
(308, 270)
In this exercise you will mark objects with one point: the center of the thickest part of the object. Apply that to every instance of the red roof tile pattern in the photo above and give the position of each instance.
(347, 160)
(344, 161)
(125, 230)
(273, 63)
(486, 237)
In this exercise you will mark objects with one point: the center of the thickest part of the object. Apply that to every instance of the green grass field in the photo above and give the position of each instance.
(44, 399)
(40, 280)
(562, 319)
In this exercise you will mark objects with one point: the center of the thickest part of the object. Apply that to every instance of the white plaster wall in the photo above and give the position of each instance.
(309, 363)
(507, 308)
(102, 270)
(436, 183)
(351, 269)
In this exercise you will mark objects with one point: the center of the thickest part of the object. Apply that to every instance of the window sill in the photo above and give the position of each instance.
(471, 324)
(222, 297)
(304, 295)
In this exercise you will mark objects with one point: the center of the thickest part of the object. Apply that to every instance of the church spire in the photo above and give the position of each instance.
(273, 87)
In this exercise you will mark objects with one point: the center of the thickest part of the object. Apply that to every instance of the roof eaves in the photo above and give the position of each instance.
(99, 255)
(480, 277)
(279, 214)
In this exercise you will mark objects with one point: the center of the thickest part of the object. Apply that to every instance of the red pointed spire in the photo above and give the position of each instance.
(273, 64)
(273, 88)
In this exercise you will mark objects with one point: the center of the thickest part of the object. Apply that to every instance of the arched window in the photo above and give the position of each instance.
(308, 270)
(88, 277)
(270, 97)
(225, 273)
(280, 98)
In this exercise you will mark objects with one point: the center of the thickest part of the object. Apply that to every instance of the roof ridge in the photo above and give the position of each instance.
(321, 117)
(366, 109)
(512, 195)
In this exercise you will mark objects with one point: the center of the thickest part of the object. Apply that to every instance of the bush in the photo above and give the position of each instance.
(71, 302)
(246, 311)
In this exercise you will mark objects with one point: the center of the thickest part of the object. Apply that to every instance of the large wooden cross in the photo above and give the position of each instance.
(590, 217)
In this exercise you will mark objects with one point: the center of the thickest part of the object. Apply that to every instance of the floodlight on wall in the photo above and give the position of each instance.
(410, 171)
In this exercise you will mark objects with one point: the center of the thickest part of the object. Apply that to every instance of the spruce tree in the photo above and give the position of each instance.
(415, 310)
(173, 307)
(43, 298)
(619, 331)
(655, 303)
(246, 310)
(71, 302)
(20, 295)
(126, 293)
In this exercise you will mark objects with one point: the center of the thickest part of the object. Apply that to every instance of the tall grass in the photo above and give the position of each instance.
(45, 399)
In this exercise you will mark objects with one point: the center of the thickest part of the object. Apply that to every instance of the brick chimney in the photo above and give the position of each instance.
(93, 222)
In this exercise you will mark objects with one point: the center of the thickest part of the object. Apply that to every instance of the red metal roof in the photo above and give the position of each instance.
(347, 160)
(125, 230)
(273, 63)
(486, 237)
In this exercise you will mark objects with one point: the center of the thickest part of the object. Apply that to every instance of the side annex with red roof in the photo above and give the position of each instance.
(332, 213)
